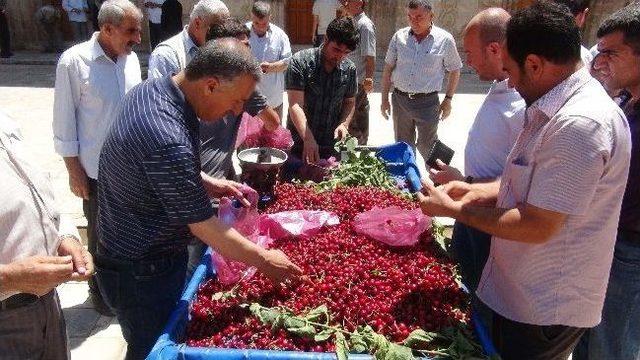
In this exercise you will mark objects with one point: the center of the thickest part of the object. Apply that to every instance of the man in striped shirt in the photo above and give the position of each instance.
(154, 198)
(554, 213)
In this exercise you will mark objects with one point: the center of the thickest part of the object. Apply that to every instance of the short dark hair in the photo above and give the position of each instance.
(627, 21)
(545, 29)
(225, 59)
(575, 6)
(344, 31)
(425, 4)
(261, 9)
(230, 27)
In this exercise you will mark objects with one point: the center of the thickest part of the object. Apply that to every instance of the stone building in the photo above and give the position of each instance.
(295, 17)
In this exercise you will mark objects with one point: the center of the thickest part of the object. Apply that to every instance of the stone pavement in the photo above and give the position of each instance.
(26, 94)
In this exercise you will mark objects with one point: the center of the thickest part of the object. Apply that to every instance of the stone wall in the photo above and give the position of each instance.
(388, 15)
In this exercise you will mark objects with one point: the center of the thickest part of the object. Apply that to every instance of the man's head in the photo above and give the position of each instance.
(342, 38)
(354, 7)
(120, 26)
(260, 17)
(205, 14)
(579, 9)
(484, 37)
(232, 28)
(619, 50)
(543, 48)
(420, 15)
(224, 74)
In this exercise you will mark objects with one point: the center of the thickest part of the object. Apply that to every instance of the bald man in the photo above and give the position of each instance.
(492, 134)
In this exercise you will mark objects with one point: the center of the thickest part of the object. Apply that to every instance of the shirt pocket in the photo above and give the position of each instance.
(432, 63)
(516, 189)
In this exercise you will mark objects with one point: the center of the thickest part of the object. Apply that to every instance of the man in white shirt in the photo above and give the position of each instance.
(554, 212)
(492, 135)
(154, 12)
(39, 249)
(271, 47)
(77, 11)
(417, 61)
(323, 12)
(92, 78)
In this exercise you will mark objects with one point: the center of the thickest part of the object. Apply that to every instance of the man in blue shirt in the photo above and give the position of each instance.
(154, 198)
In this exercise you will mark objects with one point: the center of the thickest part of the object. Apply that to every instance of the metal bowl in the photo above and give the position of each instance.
(249, 158)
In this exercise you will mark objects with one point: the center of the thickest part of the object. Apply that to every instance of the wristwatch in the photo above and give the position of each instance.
(469, 179)
(448, 97)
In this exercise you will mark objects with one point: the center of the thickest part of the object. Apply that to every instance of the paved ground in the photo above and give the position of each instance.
(26, 94)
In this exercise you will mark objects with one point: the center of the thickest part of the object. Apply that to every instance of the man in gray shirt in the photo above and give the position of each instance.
(417, 60)
(364, 56)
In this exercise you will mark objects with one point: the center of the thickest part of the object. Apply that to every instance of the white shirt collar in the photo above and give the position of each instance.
(188, 42)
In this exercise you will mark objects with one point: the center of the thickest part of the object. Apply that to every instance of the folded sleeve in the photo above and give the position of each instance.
(65, 101)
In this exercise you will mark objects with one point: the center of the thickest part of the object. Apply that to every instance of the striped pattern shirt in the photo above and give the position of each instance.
(149, 185)
(572, 157)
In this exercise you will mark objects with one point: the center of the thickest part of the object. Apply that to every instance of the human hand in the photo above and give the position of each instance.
(367, 85)
(79, 182)
(445, 174)
(341, 132)
(83, 267)
(310, 151)
(469, 194)
(266, 67)
(277, 267)
(445, 108)
(218, 188)
(435, 201)
(38, 275)
(385, 108)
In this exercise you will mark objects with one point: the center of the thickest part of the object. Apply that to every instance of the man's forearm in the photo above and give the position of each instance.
(386, 81)
(369, 66)
(270, 118)
(73, 164)
(348, 109)
(280, 66)
(299, 120)
(452, 84)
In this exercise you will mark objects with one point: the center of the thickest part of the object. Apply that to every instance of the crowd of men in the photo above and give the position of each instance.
(547, 232)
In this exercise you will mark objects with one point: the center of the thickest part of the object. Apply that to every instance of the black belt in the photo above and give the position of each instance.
(414, 95)
(18, 301)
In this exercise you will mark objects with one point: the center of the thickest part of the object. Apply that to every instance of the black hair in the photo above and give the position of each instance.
(225, 58)
(230, 27)
(546, 29)
(343, 31)
(627, 21)
(425, 4)
(575, 6)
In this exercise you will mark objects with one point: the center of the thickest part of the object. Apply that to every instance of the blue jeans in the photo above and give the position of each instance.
(471, 250)
(142, 294)
(617, 337)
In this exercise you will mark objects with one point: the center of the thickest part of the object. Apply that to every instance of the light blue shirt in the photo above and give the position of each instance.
(273, 46)
(366, 46)
(420, 67)
(172, 56)
(494, 131)
(81, 5)
(88, 93)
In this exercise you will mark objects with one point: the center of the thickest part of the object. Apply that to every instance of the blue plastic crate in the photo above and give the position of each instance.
(168, 347)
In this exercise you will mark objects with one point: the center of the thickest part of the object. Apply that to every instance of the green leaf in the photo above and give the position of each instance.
(419, 338)
(307, 331)
(342, 348)
(291, 322)
(398, 352)
(358, 342)
(317, 314)
(323, 335)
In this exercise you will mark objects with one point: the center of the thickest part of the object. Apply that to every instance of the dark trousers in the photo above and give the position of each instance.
(471, 250)
(155, 34)
(5, 36)
(518, 341)
(418, 115)
(359, 126)
(34, 331)
(142, 295)
(90, 209)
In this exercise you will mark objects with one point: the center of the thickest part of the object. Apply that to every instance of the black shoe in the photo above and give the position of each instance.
(99, 305)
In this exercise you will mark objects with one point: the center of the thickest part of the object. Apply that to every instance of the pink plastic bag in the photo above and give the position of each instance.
(252, 133)
(393, 226)
(303, 223)
(245, 221)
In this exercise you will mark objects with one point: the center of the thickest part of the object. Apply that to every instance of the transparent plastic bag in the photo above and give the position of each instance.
(302, 223)
(393, 225)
